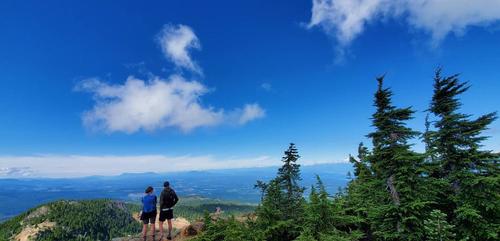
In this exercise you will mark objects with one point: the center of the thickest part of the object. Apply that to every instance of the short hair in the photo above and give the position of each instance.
(149, 189)
(166, 184)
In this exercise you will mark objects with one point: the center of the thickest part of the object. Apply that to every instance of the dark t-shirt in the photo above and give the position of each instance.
(168, 198)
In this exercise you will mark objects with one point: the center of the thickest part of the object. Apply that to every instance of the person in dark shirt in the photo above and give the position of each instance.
(168, 199)
(148, 213)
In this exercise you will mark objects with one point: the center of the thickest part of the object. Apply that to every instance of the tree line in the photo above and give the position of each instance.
(449, 192)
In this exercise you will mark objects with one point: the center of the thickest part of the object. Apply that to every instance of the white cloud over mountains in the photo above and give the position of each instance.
(346, 19)
(157, 103)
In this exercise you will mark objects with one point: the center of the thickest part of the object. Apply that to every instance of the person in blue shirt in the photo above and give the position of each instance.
(148, 214)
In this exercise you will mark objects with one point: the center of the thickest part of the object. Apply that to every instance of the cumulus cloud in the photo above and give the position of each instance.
(175, 42)
(80, 165)
(148, 105)
(156, 103)
(346, 19)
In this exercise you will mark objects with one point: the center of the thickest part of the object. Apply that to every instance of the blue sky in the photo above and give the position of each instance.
(100, 87)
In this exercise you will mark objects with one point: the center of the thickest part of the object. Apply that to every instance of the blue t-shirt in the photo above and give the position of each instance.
(149, 203)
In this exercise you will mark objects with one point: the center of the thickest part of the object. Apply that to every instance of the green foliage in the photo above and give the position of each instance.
(77, 220)
(437, 228)
(288, 180)
(227, 229)
(12, 226)
(397, 169)
(282, 209)
(469, 177)
(326, 218)
(88, 220)
(193, 208)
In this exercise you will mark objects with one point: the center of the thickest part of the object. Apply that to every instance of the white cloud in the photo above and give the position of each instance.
(250, 112)
(346, 19)
(80, 165)
(155, 104)
(175, 42)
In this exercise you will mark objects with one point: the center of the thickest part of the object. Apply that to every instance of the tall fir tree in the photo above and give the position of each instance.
(289, 178)
(470, 195)
(398, 167)
(281, 213)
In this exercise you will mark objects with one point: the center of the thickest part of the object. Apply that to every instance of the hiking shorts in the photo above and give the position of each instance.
(166, 215)
(148, 217)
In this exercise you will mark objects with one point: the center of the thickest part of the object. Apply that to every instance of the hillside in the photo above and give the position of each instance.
(103, 219)
(71, 220)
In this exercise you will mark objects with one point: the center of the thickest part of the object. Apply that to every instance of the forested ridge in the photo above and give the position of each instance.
(449, 192)
(75, 220)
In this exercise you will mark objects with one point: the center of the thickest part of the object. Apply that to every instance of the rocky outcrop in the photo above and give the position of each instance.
(193, 229)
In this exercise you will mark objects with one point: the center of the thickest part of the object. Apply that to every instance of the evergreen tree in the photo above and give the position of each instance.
(364, 193)
(319, 212)
(326, 218)
(288, 179)
(437, 228)
(281, 213)
(470, 196)
(398, 167)
(262, 186)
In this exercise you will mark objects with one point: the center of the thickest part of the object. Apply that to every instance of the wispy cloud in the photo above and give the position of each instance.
(156, 102)
(16, 172)
(345, 20)
(266, 86)
(80, 165)
(249, 113)
(175, 42)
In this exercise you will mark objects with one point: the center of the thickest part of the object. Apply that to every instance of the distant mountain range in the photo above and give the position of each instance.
(19, 195)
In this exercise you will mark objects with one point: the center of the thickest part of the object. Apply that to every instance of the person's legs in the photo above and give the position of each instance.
(144, 229)
(161, 228)
(153, 226)
(162, 221)
(169, 222)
